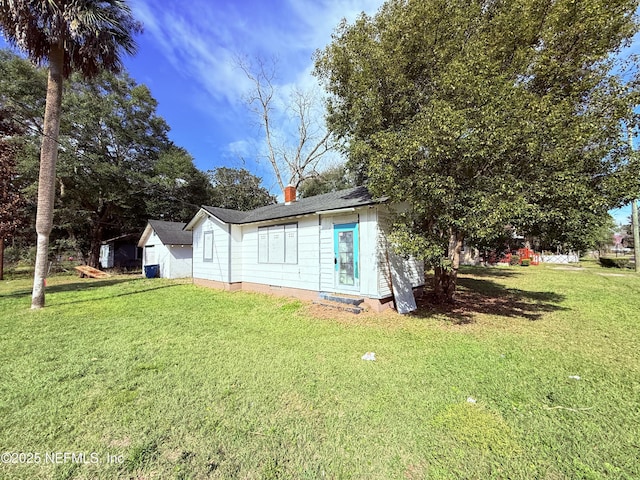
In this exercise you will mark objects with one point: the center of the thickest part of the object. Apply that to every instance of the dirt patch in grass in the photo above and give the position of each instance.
(123, 442)
(364, 318)
(475, 298)
(471, 301)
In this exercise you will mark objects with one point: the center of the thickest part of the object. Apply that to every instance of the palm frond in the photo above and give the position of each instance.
(95, 33)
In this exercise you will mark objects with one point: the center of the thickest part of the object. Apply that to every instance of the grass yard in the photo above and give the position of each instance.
(536, 375)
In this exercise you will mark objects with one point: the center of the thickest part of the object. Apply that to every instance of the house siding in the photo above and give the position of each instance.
(218, 268)
(327, 279)
(369, 261)
(238, 264)
(384, 271)
(301, 275)
(155, 252)
(412, 268)
(237, 261)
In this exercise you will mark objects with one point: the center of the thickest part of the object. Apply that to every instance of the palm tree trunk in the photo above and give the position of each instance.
(47, 176)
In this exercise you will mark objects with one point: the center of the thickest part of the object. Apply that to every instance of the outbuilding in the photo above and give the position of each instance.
(169, 246)
(120, 252)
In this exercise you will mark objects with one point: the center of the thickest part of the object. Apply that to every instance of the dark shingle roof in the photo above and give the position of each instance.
(352, 197)
(171, 233)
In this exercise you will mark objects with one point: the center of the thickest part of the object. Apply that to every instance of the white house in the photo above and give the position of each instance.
(328, 244)
(167, 245)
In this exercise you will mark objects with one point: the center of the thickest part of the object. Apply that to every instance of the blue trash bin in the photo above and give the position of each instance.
(151, 271)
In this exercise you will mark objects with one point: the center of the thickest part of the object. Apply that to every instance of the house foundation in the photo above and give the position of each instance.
(373, 304)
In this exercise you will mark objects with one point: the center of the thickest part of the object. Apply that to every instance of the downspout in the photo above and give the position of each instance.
(358, 263)
(319, 253)
(229, 259)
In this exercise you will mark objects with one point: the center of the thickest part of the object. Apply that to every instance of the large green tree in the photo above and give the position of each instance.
(112, 139)
(177, 189)
(85, 36)
(481, 114)
(238, 189)
(22, 96)
(11, 200)
(116, 168)
(328, 180)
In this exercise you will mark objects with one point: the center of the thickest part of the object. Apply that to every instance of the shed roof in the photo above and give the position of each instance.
(349, 198)
(171, 233)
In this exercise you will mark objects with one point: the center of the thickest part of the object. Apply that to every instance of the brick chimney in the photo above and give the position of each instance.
(289, 194)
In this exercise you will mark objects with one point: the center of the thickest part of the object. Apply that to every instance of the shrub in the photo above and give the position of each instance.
(515, 260)
(609, 262)
(525, 262)
(12, 255)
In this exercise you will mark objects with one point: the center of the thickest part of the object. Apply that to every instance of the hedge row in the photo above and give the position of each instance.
(615, 262)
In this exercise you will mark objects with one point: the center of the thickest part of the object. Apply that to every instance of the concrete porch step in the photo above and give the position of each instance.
(342, 298)
(344, 307)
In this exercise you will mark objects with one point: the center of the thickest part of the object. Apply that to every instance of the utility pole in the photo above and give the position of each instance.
(634, 211)
(636, 234)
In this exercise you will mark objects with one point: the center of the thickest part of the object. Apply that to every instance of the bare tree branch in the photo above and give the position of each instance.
(296, 159)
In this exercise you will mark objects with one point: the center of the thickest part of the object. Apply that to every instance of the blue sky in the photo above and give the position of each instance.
(188, 54)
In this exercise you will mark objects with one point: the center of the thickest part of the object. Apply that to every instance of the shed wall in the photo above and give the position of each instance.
(181, 262)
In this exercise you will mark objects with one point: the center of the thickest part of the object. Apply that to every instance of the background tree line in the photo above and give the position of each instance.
(116, 166)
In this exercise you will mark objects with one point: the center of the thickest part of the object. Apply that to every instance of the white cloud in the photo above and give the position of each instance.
(321, 17)
(242, 149)
(201, 40)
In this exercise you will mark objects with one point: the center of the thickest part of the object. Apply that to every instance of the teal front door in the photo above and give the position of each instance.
(346, 252)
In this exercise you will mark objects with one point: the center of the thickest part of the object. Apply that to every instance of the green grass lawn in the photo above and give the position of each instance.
(161, 379)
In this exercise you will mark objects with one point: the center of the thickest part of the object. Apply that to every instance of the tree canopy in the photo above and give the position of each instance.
(486, 113)
(116, 167)
(328, 180)
(238, 189)
(11, 198)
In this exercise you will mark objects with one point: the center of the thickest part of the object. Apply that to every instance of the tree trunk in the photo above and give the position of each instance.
(47, 176)
(445, 278)
(94, 252)
(96, 236)
(1, 258)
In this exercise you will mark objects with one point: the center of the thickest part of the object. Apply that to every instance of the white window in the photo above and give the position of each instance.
(278, 244)
(263, 245)
(208, 246)
(291, 243)
(149, 255)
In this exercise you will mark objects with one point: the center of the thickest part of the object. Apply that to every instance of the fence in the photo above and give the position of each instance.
(567, 258)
